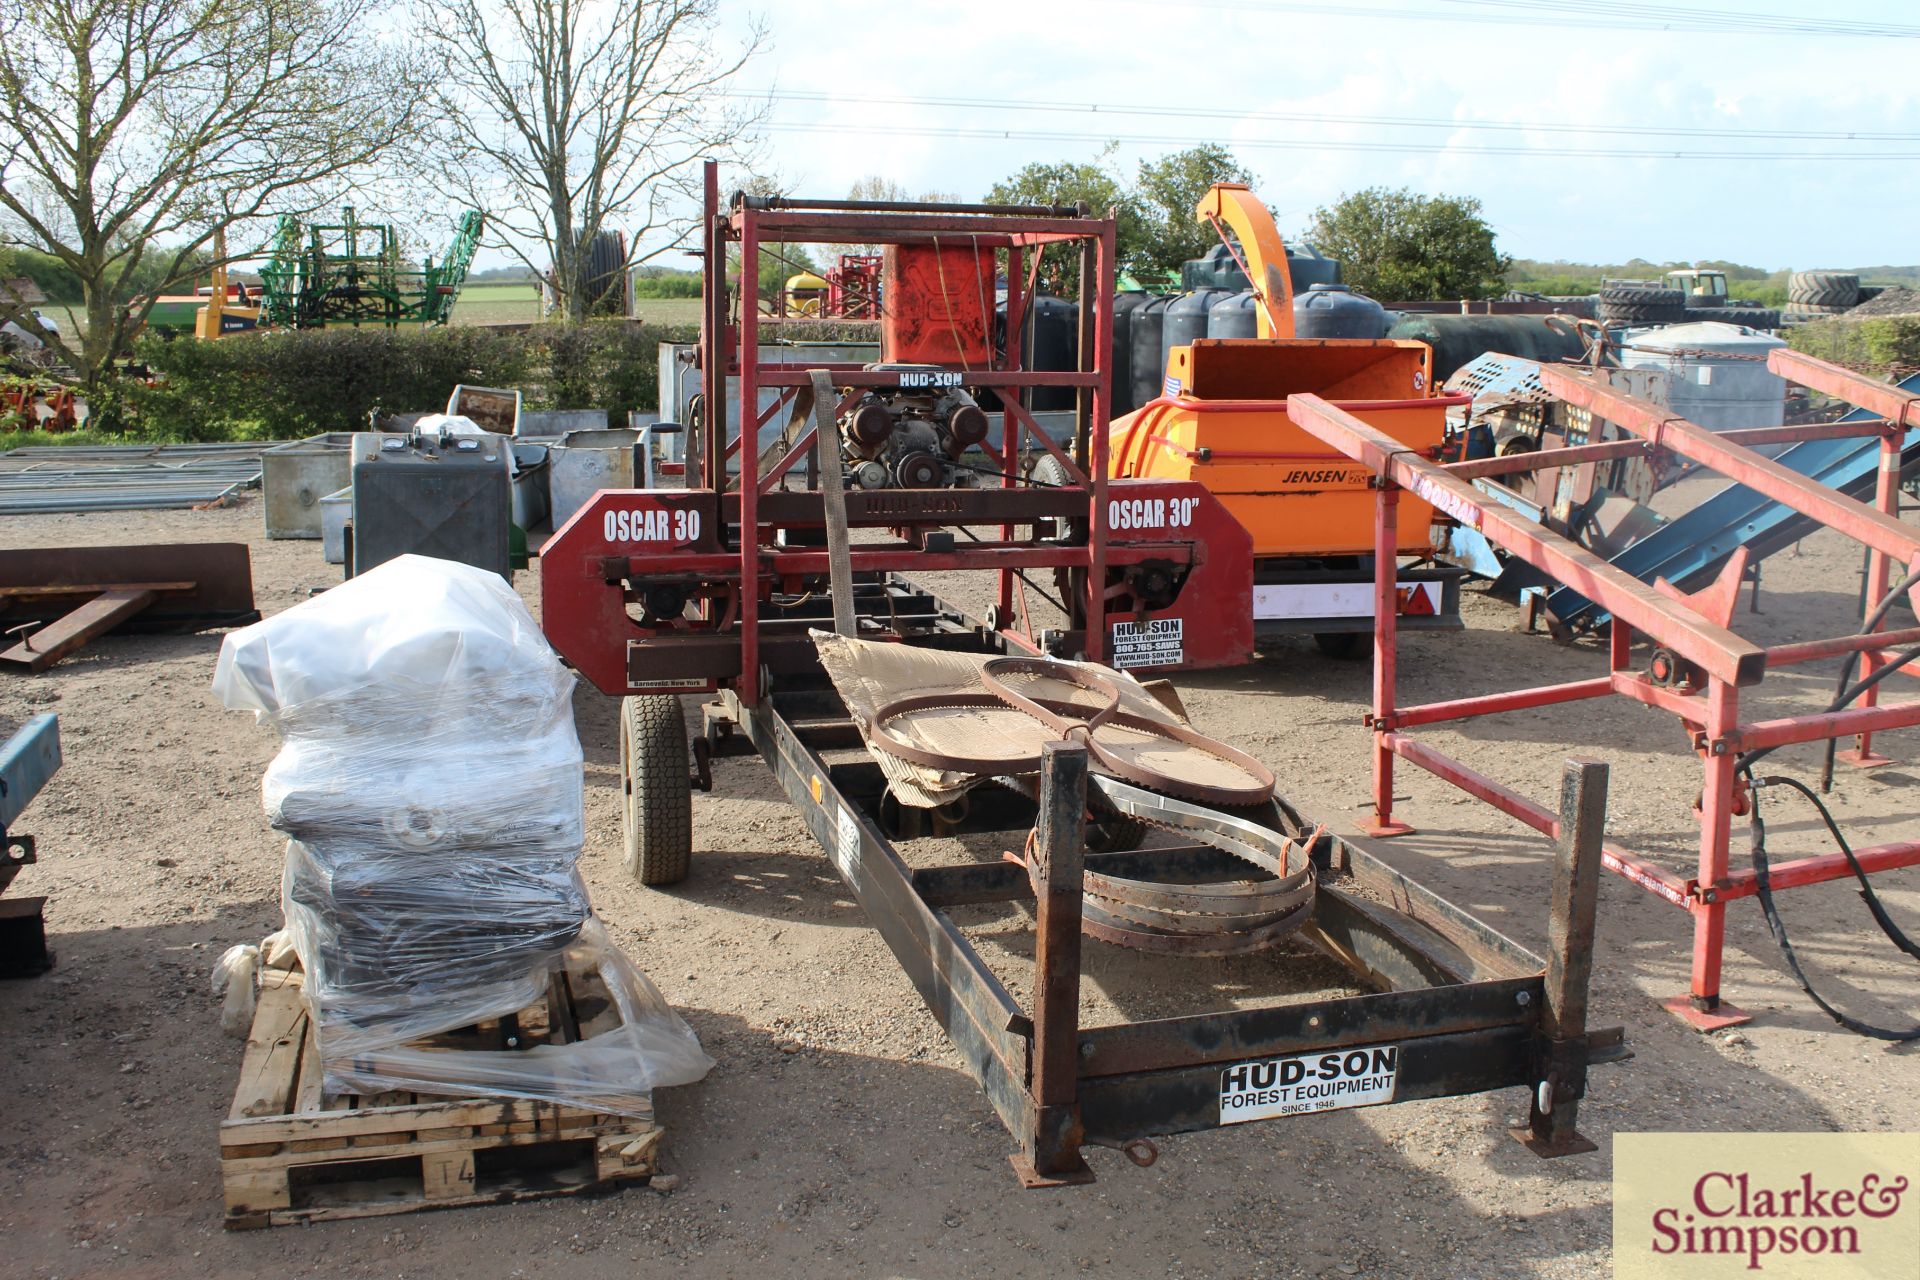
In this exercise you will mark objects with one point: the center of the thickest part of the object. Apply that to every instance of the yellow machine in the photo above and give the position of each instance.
(220, 316)
(1222, 421)
(806, 294)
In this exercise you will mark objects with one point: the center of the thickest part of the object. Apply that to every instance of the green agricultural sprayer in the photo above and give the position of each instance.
(351, 273)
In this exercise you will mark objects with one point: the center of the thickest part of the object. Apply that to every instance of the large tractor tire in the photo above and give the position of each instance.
(1823, 289)
(1752, 317)
(656, 777)
(1633, 304)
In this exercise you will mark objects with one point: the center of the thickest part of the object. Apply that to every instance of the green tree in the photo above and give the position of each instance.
(1073, 182)
(134, 133)
(1400, 246)
(1165, 193)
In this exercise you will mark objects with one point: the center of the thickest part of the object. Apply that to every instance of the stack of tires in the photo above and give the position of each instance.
(1751, 317)
(1815, 295)
(1634, 304)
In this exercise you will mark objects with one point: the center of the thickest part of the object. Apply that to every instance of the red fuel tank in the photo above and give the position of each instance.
(937, 303)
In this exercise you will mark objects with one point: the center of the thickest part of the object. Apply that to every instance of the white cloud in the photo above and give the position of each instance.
(1763, 210)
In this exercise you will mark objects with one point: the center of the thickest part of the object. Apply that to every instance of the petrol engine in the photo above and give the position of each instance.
(913, 437)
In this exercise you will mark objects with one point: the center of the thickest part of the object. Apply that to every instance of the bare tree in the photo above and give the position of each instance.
(570, 117)
(878, 187)
(136, 129)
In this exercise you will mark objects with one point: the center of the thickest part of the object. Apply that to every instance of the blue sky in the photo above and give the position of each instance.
(1234, 65)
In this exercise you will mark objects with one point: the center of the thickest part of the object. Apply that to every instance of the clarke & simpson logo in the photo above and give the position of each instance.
(1778, 1205)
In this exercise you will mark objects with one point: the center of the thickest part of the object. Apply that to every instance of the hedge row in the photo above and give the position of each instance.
(283, 385)
(1889, 344)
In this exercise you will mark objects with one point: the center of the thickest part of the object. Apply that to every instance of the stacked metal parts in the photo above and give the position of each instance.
(430, 780)
(939, 724)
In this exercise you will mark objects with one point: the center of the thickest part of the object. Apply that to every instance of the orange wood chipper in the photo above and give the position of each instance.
(1221, 420)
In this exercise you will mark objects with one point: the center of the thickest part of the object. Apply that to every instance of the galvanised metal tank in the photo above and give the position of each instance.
(1456, 340)
(1124, 305)
(1186, 319)
(1336, 311)
(1235, 316)
(1716, 373)
(1149, 359)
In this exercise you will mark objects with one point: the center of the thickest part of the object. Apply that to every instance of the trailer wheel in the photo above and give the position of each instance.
(1343, 645)
(657, 817)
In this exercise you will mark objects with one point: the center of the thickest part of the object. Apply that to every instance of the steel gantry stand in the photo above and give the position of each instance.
(1698, 665)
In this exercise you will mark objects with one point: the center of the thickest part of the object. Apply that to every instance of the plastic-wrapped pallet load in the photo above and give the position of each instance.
(430, 778)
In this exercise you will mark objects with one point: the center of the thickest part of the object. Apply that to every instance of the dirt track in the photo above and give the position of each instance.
(838, 1134)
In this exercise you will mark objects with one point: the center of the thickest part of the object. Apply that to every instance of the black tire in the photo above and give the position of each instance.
(606, 264)
(1823, 288)
(1634, 304)
(1752, 317)
(657, 782)
(1868, 292)
(1049, 471)
(1342, 646)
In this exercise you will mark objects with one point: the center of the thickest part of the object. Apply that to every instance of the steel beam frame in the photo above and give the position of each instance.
(1466, 1009)
(1708, 663)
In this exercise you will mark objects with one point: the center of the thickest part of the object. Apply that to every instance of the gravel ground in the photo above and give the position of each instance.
(839, 1133)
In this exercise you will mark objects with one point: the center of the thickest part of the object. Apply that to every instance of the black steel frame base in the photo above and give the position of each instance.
(1466, 1009)
(23, 938)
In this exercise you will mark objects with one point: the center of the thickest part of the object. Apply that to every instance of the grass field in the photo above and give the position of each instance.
(481, 304)
(520, 304)
(498, 304)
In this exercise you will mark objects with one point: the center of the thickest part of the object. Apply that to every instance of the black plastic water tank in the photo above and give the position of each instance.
(1148, 361)
(1336, 311)
(1214, 269)
(1051, 345)
(1187, 319)
(1217, 269)
(1235, 316)
(1125, 304)
(1307, 267)
(1457, 339)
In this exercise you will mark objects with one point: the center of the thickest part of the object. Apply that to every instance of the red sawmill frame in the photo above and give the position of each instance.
(730, 346)
(1705, 665)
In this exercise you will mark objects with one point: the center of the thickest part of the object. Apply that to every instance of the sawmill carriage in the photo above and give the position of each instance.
(784, 582)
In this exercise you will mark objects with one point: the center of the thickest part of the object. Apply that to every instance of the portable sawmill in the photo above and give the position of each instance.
(785, 577)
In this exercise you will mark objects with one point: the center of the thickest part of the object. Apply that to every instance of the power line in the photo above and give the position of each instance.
(1612, 16)
(1297, 144)
(1716, 19)
(1315, 117)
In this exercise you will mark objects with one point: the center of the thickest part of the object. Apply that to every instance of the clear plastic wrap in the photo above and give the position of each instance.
(430, 778)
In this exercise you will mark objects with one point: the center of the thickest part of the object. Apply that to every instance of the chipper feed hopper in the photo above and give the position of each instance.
(786, 579)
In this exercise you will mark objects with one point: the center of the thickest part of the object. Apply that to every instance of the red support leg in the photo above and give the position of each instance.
(1386, 635)
(1887, 498)
(1702, 1006)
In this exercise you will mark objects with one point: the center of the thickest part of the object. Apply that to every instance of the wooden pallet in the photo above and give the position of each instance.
(289, 1154)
